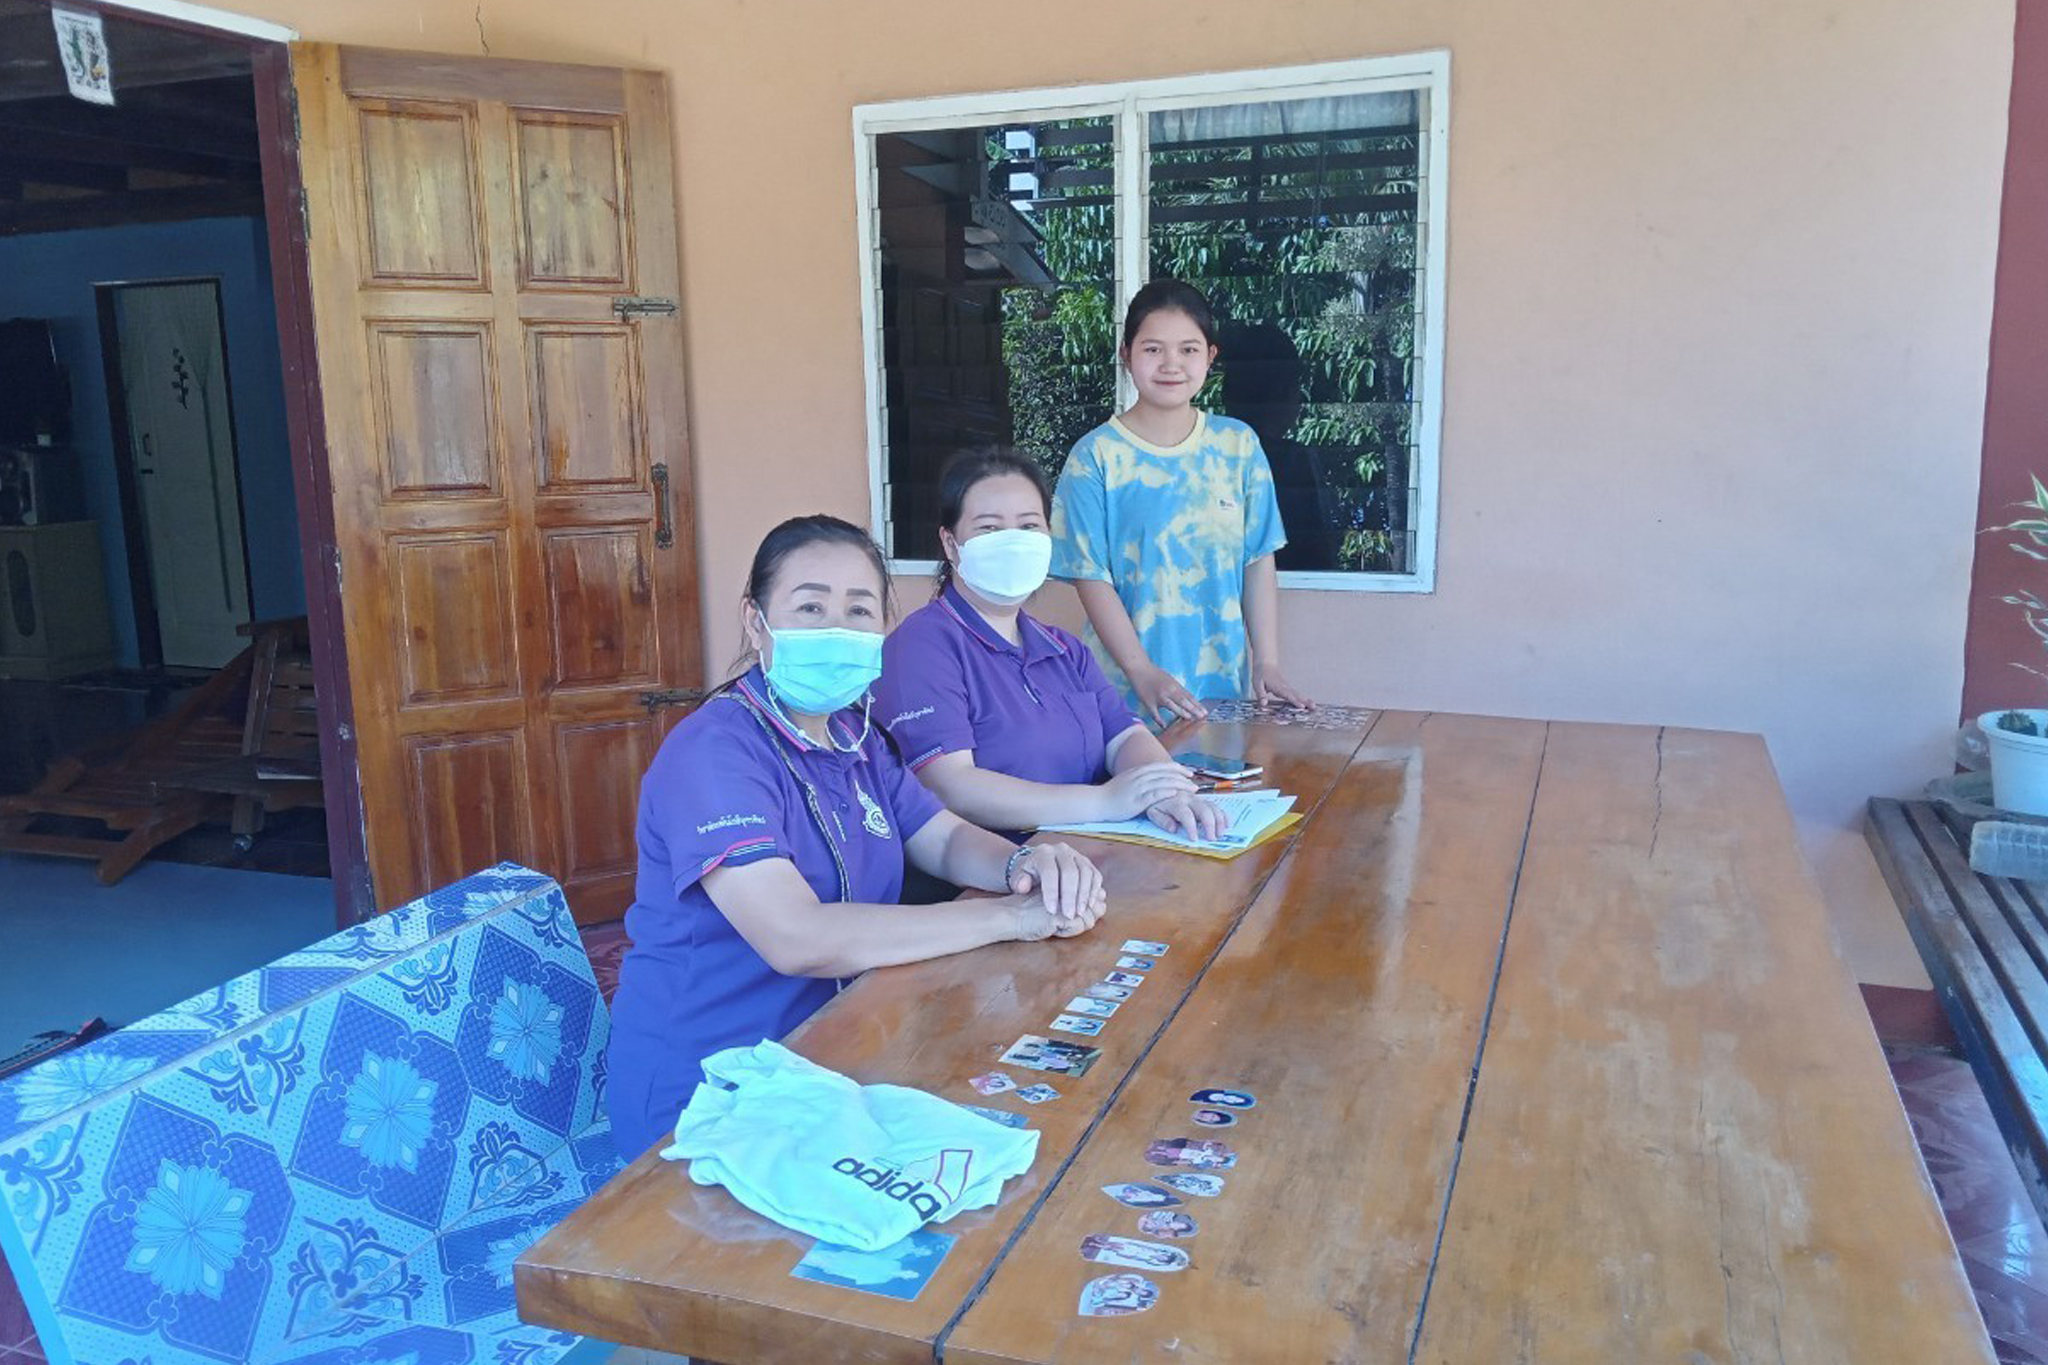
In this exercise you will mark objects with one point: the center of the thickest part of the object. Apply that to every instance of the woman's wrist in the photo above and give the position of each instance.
(1011, 867)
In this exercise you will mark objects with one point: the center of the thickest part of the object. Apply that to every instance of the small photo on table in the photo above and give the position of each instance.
(1115, 1296)
(1089, 1005)
(1102, 990)
(1136, 964)
(1050, 1054)
(1138, 1196)
(1107, 1249)
(1168, 1223)
(1128, 979)
(1002, 1116)
(898, 1271)
(994, 1083)
(1224, 1099)
(1215, 1118)
(1202, 1154)
(1190, 1182)
(1144, 947)
(1074, 1023)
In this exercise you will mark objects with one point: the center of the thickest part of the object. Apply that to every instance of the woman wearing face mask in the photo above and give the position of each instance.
(1007, 720)
(774, 827)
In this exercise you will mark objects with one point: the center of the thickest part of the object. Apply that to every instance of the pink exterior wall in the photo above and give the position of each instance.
(1719, 292)
(2016, 409)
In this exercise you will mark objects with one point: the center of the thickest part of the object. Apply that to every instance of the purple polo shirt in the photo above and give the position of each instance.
(719, 794)
(1043, 712)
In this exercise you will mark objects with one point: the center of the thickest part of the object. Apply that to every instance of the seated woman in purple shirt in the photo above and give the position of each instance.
(774, 825)
(1007, 720)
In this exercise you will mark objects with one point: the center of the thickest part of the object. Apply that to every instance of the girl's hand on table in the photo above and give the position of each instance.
(1269, 685)
(1164, 696)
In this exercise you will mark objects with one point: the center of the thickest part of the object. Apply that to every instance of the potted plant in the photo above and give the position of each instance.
(2017, 739)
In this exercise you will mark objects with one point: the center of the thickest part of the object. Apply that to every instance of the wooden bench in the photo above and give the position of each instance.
(279, 765)
(336, 1157)
(1985, 943)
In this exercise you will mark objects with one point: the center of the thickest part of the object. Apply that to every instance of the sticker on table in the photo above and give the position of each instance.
(1037, 1094)
(1203, 1154)
(1136, 964)
(994, 1083)
(897, 1271)
(1223, 1099)
(1141, 1196)
(1116, 1296)
(1188, 1182)
(1239, 711)
(1002, 1116)
(1050, 1054)
(1123, 979)
(1074, 1023)
(1113, 1250)
(1168, 1223)
(1089, 1005)
(1215, 1118)
(1102, 990)
(1144, 947)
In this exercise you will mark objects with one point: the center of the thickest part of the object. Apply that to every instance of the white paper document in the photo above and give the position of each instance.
(1246, 816)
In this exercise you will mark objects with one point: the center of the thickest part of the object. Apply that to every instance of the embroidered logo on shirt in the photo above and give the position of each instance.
(872, 818)
(919, 713)
(728, 821)
(1226, 504)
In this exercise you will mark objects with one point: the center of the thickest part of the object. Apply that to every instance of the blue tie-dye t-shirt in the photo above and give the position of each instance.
(1172, 529)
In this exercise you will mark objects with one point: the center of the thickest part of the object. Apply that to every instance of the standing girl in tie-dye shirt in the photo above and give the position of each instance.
(1166, 523)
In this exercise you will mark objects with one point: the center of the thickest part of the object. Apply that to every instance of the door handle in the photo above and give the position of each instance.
(148, 453)
(664, 525)
(670, 696)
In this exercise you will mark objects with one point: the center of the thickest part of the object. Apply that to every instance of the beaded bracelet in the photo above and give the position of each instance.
(1010, 867)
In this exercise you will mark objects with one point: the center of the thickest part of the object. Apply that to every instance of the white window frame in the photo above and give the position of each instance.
(1129, 103)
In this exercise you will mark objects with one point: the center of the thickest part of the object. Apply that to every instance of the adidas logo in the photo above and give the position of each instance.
(884, 1180)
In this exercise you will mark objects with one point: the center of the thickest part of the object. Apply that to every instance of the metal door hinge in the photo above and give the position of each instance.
(640, 305)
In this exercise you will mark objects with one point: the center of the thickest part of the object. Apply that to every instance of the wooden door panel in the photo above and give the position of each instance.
(457, 639)
(599, 590)
(586, 407)
(495, 428)
(572, 201)
(420, 219)
(603, 811)
(470, 790)
(429, 382)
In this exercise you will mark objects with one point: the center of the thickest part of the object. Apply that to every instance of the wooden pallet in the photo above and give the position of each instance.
(124, 785)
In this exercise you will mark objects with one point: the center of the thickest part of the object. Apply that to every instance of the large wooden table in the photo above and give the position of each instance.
(1554, 1062)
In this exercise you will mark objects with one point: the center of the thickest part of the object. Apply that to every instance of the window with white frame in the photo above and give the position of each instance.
(1002, 234)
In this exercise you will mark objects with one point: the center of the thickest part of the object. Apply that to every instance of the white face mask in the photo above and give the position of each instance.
(1006, 566)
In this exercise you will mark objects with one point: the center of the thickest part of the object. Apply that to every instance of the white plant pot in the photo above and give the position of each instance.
(2019, 763)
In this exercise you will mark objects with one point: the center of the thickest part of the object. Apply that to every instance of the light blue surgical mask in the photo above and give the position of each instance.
(816, 672)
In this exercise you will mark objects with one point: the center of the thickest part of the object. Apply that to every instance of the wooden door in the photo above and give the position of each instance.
(505, 429)
(173, 364)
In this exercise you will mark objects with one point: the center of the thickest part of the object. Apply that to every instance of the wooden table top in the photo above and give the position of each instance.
(1682, 1144)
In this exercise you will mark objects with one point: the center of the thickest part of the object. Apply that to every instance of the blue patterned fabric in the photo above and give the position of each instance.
(327, 1159)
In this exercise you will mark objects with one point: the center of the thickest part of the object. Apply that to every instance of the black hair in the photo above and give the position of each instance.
(1164, 295)
(966, 468)
(797, 533)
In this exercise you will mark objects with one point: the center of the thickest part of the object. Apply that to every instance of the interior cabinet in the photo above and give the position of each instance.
(53, 602)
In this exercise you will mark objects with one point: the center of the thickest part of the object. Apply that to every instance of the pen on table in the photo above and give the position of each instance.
(1232, 786)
